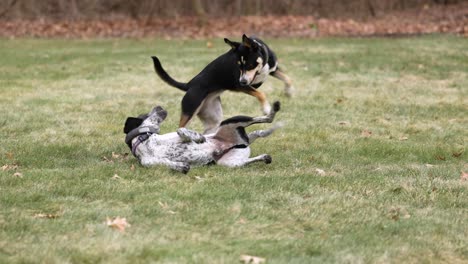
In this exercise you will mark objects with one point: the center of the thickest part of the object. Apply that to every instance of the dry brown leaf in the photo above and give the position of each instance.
(429, 165)
(132, 168)
(464, 176)
(344, 123)
(366, 133)
(106, 159)
(118, 223)
(458, 153)
(163, 205)
(116, 177)
(8, 167)
(18, 174)
(403, 138)
(209, 44)
(251, 259)
(9, 155)
(47, 216)
(320, 171)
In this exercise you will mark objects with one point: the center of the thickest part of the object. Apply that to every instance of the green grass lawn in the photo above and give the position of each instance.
(367, 169)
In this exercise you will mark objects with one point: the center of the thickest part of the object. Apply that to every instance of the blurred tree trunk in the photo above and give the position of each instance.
(8, 8)
(200, 12)
(69, 9)
(198, 7)
(370, 7)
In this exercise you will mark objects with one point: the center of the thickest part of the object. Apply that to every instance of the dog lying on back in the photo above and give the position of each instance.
(228, 146)
(242, 69)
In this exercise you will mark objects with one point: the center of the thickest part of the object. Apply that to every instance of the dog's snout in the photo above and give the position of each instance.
(243, 81)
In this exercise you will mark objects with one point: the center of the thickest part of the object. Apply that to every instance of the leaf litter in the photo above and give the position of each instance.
(118, 223)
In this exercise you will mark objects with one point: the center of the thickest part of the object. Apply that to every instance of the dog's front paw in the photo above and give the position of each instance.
(266, 109)
(289, 91)
(267, 159)
(200, 139)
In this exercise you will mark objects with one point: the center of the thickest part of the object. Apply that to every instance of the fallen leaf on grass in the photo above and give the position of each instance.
(106, 159)
(429, 165)
(320, 172)
(396, 213)
(403, 138)
(118, 223)
(464, 176)
(8, 167)
(116, 177)
(132, 168)
(18, 174)
(242, 221)
(366, 133)
(163, 205)
(9, 155)
(47, 216)
(458, 153)
(251, 259)
(344, 123)
(115, 157)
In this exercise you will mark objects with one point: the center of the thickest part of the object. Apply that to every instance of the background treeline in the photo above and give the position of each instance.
(92, 9)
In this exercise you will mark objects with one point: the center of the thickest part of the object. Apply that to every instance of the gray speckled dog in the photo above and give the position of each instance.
(228, 146)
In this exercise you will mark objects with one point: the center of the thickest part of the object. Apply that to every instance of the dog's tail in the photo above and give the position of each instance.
(165, 77)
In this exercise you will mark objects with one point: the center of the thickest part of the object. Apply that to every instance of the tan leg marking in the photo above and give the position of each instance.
(184, 119)
(287, 81)
(261, 97)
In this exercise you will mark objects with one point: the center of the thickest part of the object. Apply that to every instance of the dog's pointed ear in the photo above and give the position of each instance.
(132, 123)
(233, 44)
(248, 42)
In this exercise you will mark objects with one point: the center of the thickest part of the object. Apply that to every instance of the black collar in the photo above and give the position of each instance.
(143, 133)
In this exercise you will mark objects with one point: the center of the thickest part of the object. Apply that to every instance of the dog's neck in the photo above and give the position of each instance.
(140, 134)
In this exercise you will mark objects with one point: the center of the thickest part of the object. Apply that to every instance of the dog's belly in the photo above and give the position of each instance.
(169, 138)
(172, 149)
(235, 157)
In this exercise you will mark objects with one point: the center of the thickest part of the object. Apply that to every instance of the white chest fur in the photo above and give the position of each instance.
(263, 73)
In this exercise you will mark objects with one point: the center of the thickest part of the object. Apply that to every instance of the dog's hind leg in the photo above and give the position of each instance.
(177, 166)
(288, 88)
(211, 113)
(191, 104)
(240, 157)
(262, 133)
(267, 118)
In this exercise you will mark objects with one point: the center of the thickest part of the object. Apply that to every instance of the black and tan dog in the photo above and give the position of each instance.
(242, 69)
